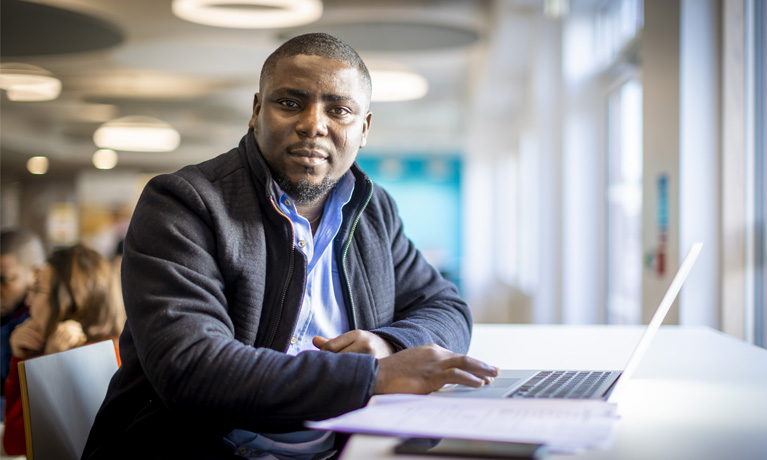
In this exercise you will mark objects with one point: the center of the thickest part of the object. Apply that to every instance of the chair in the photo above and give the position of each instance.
(61, 394)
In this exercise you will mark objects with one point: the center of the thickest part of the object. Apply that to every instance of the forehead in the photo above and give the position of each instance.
(315, 74)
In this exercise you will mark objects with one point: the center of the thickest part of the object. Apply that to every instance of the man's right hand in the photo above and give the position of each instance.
(428, 368)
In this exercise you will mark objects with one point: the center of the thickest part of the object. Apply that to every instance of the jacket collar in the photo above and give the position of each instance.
(259, 170)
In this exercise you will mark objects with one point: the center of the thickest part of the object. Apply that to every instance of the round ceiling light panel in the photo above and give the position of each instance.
(137, 134)
(249, 14)
(105, 159)
(25, 82)
(38, 165)
(397, 85)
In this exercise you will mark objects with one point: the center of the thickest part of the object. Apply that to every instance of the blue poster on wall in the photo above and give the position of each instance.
(427, 191)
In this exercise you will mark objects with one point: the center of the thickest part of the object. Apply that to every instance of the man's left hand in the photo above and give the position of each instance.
(356, 341)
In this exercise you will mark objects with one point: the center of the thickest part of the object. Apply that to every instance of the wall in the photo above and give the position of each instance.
(659, 56)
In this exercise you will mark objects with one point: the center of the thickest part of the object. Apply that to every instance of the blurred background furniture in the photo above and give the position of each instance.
(61, 394)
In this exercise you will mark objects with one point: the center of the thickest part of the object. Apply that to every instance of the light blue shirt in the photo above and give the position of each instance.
(322, 313)
(323, 309)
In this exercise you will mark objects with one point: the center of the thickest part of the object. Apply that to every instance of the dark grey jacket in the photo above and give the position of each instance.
(213, 286)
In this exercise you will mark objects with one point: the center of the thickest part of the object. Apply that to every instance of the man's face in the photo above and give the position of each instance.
(15, 279)
(310, 119)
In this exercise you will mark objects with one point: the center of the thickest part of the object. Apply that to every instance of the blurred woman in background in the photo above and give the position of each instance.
(74, 301)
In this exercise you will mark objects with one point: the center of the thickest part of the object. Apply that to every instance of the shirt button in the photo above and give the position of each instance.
(293, 340)
(301, 243)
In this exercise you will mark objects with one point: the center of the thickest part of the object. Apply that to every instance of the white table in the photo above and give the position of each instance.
(698, 394)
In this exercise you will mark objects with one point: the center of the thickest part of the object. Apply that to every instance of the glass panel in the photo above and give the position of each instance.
(624, 204)
(617, 22)
(760, 192)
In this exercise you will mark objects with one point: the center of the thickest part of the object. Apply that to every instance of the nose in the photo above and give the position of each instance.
(312, 122)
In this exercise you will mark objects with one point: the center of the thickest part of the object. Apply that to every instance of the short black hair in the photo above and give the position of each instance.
(24, 244)
(318, 44)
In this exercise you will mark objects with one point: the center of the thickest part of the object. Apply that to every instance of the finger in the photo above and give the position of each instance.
(472, 365)
(340, 343)
(364, 342)
(319, 342)
(358, 347)
(24, 344)
(72, 337)
(79, 340)
(461, 377)
(27, 343)
(24, 327)
(28, 335)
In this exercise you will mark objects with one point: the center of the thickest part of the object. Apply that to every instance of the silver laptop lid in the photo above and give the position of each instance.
(657, 319)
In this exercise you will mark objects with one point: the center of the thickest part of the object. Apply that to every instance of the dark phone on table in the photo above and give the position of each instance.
(470, 448)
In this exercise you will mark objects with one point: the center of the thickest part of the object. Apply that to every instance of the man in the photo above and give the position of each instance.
(274, 284)
(21, 253)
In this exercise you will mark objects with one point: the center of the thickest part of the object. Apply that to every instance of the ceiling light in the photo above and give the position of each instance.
(249, 14)
(137, 134)
(397, 85)
(37, 165)
(24, 82)
(105, 159)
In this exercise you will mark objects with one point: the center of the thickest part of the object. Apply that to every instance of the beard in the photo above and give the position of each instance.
(303, 191)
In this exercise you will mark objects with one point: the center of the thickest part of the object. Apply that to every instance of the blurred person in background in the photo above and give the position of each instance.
(21, 253)
(73, 301)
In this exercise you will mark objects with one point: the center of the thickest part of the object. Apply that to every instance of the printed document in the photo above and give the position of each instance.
(565, 426)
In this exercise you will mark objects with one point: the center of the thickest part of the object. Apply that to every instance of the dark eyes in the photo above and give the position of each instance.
(339, 111)
(335, 111)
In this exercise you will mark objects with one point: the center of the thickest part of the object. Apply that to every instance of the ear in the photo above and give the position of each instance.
(256, 110)
(365, 129)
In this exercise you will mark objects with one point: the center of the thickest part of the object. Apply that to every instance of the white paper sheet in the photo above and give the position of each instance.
(565, 426)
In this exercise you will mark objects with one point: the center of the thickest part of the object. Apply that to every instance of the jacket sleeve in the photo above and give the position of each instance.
(178, 313)
(427, 307)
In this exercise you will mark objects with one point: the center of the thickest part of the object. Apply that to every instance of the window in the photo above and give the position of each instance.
(617, 23)
(759, 191)
(624, 204)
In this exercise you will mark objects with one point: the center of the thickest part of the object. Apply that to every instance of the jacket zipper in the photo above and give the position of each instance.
(343, 257)
(290, 272)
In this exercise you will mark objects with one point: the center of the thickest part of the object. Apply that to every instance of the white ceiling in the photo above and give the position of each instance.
(201, 79)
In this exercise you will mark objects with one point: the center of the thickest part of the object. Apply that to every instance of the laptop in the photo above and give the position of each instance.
(574, 384)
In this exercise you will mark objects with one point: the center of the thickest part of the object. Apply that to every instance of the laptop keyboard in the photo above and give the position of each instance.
(562, 384)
